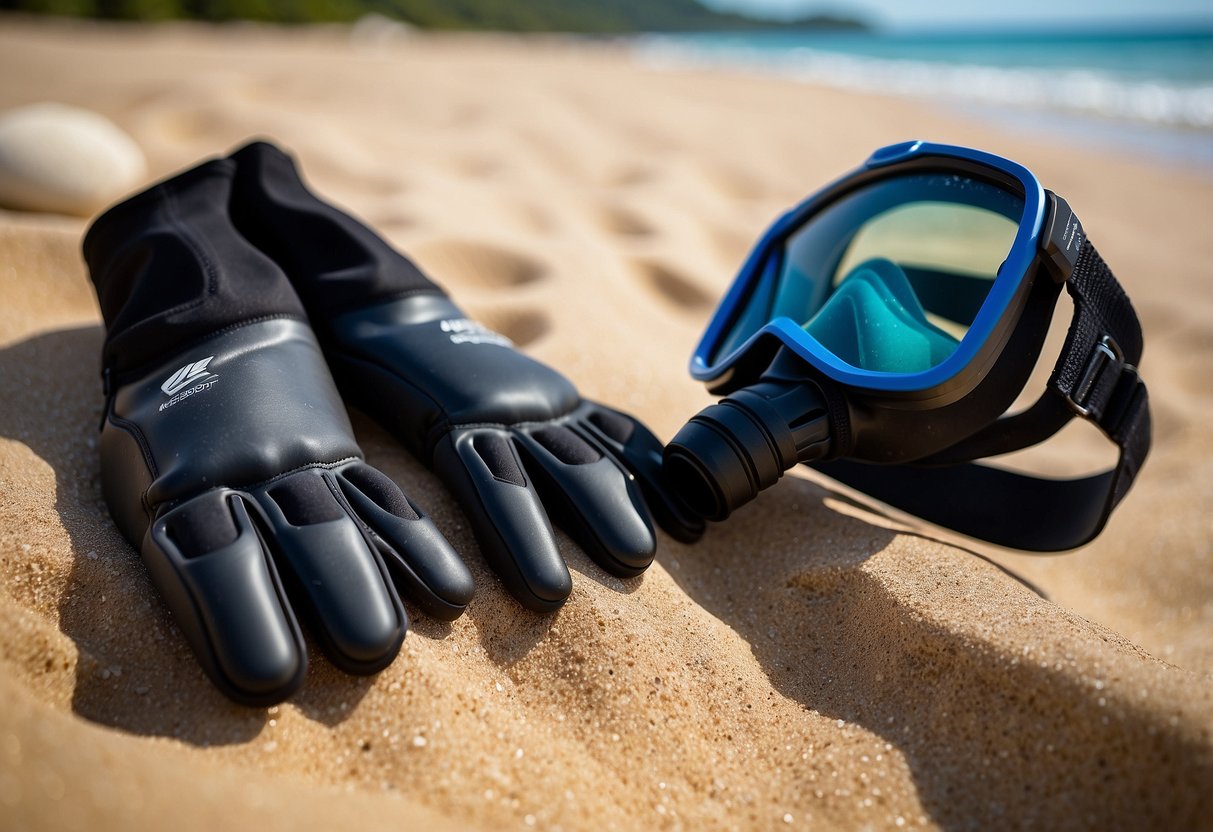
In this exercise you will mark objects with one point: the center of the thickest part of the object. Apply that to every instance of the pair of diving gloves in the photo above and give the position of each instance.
(233, 298)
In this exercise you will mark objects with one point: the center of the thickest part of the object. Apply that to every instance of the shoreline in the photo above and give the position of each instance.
(1167, 119)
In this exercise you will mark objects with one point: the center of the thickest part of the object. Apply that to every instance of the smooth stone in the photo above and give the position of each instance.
(65, 160)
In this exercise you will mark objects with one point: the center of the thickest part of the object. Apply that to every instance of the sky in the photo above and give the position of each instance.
(968, 13)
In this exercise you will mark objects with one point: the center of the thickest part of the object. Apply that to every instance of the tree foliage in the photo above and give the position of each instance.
(590, 16)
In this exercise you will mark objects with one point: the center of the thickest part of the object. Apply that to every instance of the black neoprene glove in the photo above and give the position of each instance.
(228, 459)
(511, 438)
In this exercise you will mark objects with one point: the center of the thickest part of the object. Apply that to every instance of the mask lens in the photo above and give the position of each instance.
(890, 277)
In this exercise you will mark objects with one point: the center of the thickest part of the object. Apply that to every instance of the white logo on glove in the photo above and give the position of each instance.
(466, 331)
(186, 376)
(191, 379)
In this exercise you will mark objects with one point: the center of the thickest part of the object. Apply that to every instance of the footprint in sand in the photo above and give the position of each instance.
(465, 265)
(477, 166)
(735, 183)
(522, 326)
(631, 175)
(534, 217)
(457, 263)
(621, 220)
(675, 288)
(471, 115)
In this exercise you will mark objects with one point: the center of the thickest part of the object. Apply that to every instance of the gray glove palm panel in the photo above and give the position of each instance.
(511, 438)
(228, 459)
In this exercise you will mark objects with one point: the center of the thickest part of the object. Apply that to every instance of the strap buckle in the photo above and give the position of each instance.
(1099, 380)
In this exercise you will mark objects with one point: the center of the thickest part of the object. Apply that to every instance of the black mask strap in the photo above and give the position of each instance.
(1095, 378)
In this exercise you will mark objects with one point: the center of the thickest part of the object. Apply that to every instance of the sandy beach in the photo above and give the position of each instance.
(814, 662)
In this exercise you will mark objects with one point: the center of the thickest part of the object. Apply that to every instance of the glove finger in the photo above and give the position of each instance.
(592, 497)
(418, 555)
(333, 568)
(211, 567)
(481, 467)
(634, 445)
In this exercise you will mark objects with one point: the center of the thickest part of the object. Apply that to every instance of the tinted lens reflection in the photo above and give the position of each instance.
(890, 277)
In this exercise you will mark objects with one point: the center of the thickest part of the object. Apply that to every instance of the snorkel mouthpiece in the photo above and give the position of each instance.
(741, 445)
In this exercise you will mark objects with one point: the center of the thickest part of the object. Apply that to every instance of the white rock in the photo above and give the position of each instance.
(64, 159)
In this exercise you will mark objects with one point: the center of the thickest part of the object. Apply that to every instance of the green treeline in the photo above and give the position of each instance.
(591, 16)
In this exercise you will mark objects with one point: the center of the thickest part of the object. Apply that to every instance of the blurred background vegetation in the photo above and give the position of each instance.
(592, 16)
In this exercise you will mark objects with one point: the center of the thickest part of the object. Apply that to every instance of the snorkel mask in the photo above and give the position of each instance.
(881, 329)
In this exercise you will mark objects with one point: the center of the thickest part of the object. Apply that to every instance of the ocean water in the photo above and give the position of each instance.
(1142, 90)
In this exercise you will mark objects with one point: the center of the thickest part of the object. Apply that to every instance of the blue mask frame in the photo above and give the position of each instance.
(988, 324)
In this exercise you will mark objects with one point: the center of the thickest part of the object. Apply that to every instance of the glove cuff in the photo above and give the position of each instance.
(336, 263)
(170, 268)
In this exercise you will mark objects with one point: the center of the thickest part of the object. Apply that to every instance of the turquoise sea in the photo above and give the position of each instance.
(1141, 89)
